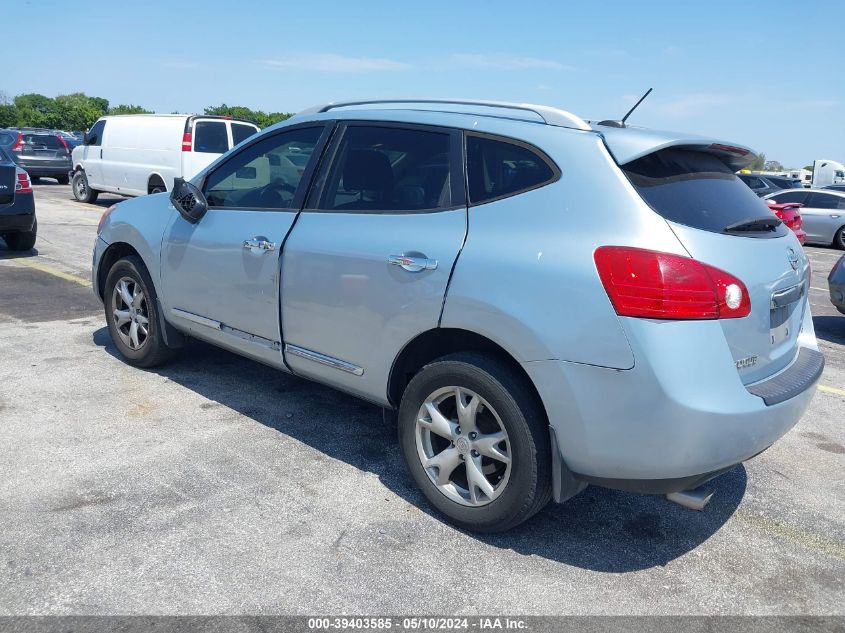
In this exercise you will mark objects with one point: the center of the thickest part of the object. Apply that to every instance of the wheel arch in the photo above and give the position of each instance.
(439, 342)
(112, 254)
(155, 177)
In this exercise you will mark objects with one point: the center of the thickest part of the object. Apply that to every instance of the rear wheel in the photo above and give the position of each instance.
(62, 180)
(839, 239)
(129, 299)
(476, 442)
(81, 190)
(23, 241)
(34, 179)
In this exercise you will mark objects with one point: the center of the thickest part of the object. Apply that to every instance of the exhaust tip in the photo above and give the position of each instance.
(691, 499)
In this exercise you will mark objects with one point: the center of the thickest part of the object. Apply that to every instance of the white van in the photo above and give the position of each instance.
(137, 154)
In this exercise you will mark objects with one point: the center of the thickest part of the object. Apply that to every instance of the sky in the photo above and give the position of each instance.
(769, 75)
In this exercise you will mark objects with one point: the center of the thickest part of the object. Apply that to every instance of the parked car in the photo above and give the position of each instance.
(547, 303)
(40, 152)
(761, 185)
(822, 214)
(784, 182)
(18, 226)
(788, 214)
(138, 154)
(836, 284)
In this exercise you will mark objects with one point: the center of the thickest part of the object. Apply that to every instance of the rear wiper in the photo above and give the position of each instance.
(767, 223)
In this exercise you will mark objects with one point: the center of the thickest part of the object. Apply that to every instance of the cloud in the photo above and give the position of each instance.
(329, 63)
(503, 62)
(688, 105)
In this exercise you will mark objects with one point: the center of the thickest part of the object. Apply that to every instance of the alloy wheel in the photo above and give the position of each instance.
(130, 313)
(463, 446)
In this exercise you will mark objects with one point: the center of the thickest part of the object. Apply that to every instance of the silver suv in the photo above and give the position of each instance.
(547, 302)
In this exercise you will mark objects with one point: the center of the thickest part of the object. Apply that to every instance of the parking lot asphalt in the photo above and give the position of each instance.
(216, 485)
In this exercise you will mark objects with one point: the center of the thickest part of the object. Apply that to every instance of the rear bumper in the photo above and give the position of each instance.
(48, 169)
(20, 215)
(672, 421)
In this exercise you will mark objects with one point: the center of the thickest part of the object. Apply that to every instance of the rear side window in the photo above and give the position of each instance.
(389, 169)
(695, 189)
(210, 137)
(497, 169)
(241, 132)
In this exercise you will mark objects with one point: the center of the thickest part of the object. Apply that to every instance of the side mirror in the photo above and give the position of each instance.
(87, 140)
(188, 200)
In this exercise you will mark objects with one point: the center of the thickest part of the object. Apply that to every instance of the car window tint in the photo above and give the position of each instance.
(823, 201)
(264, 175)
(210, 137)
(95, 134)
(389, 169)
(7, 138)
(48, 141)
(241, 132)
(693, 188)
(790, 196)
(496, 169)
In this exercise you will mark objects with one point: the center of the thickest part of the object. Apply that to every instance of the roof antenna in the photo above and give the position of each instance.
(621, 123)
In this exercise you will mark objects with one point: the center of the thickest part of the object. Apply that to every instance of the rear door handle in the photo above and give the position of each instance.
(261, 242)
(412, 264)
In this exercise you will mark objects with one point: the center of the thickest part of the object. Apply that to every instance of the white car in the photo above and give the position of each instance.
(137, 154)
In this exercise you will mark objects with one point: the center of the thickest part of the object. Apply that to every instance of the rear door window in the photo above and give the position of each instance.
(790, 196)
(210, 137)
(695, 189)
(825, 201)
(241, 132)
(497, 168)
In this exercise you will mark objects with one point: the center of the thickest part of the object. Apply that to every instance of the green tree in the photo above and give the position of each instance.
(759, 162)
(808, 167)
(261, 119)
(773, 165)
(8, 115)
(129, 109)
(35, 110)
(78, 111)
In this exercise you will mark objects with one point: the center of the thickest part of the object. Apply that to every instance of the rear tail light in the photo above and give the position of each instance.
(64, 143)
(187, 141)
(18, 143)
(23, 185)
(655, 285)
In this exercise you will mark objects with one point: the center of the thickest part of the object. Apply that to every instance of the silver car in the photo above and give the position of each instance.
(823, 214)
(546, 302)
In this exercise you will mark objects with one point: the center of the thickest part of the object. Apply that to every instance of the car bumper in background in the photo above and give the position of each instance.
(45, 168)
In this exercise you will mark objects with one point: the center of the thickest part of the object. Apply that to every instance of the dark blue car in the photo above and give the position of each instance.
(18, 226)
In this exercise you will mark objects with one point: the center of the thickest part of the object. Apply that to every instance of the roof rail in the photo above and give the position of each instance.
(550, 116)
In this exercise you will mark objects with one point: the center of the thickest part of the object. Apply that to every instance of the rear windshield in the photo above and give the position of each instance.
(241, 132)
(50, 141)
(696, 189)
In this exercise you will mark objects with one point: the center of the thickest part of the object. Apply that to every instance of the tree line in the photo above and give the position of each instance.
(78, 111)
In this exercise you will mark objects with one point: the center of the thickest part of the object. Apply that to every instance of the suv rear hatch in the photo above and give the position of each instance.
(44, 147)
(8, 179)
(720, 222)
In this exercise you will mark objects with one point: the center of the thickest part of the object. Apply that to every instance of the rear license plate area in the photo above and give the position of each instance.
(783, 305)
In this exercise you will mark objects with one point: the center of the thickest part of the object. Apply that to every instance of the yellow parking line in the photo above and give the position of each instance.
(44, 268)
(819, 289)
(833, 390)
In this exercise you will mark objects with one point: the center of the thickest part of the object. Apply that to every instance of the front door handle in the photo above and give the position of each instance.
(261, 242)
(412, 264)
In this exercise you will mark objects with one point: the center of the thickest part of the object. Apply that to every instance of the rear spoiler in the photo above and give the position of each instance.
(630, 143)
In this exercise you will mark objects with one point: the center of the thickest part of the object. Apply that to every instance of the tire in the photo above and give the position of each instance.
(144, 349)
(34, 179)
(839, 239)
(23, 241)
(156, 186)
(81, 190)
(63, 180)
(519, 488)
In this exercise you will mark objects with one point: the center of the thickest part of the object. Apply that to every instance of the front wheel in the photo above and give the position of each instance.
(839, 239)
(81, 190)
(131, 309)
(476, 442)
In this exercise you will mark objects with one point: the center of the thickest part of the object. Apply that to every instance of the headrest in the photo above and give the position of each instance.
(367, 170)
